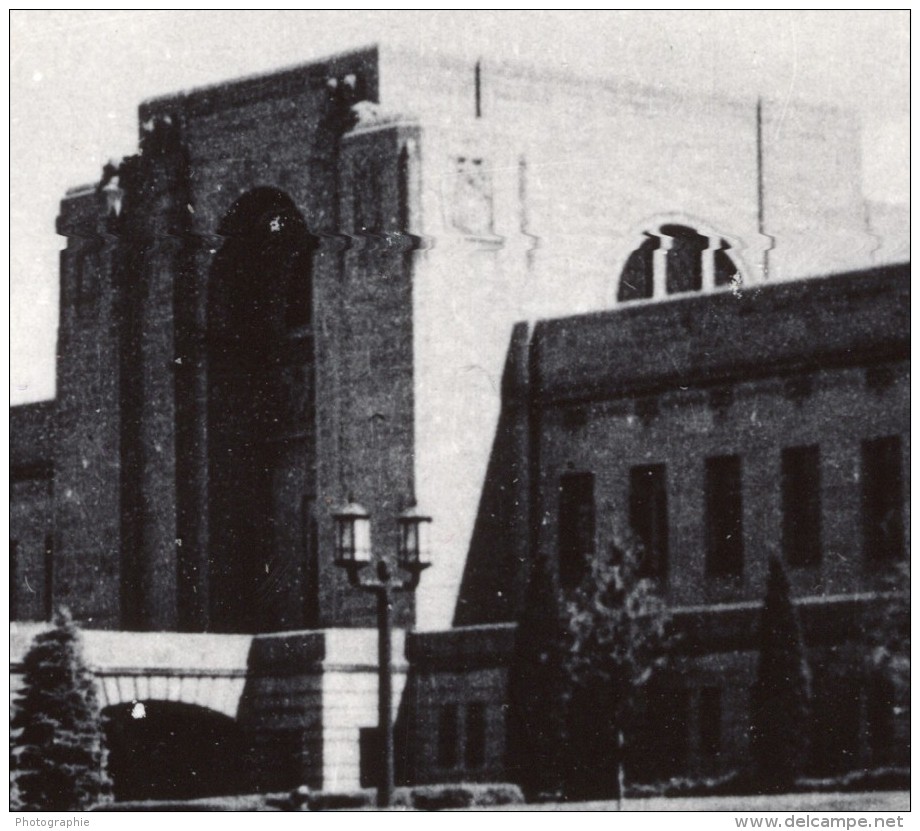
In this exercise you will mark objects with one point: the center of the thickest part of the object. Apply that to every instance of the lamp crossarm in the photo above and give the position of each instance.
(384, 580)
(415, 575)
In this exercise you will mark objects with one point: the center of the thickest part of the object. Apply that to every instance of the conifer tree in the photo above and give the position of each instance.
(538, 688)
(780, 699)
(58, 743)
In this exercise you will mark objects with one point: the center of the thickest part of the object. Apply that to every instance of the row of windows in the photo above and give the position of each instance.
(883, 529)
(850, 711)
(461, 729)
(669, 707)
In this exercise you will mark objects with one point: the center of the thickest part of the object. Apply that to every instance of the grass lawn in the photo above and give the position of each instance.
(869, 801)
(244, 802)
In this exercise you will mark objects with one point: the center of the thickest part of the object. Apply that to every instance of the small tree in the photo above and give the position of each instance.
(57, 733)
(780, 699)
(538, 688)
(618, 628)
(887, 667)
(889, 636)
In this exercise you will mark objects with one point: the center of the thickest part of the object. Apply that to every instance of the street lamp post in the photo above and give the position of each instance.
(353, 553)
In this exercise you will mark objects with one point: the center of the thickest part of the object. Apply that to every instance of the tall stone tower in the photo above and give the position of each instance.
(235, 358)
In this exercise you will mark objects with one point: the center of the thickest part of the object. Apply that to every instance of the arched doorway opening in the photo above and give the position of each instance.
(171, 750)
(261, 446)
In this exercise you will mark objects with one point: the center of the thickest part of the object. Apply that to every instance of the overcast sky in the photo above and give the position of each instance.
(77, 78)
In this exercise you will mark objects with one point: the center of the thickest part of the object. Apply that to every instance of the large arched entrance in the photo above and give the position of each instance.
(171, 750)
(261, 419)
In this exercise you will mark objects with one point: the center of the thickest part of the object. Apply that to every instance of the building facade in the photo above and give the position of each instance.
(719, 431)
(303, 286)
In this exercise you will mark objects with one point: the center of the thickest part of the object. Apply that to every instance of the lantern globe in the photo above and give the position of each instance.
(352, 534)
(414, 545)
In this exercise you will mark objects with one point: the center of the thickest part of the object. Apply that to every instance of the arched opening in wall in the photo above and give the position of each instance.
(685, 259)
(676, 259)
(261, 445)
(171, 750)
(726, 272)
(636, 279)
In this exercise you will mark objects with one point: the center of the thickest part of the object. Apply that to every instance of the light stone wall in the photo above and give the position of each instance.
(349, 700)
(577, 169)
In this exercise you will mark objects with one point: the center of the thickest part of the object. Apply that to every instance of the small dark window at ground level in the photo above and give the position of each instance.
(710, 720)
(474, 749)
(448, 734)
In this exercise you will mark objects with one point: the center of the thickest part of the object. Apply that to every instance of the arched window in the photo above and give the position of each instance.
(676, 259)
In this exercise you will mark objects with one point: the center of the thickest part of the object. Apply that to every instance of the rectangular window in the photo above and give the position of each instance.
(576, 526)
(648, 515)
(710, 720)
(801, 482)
(474, 750)
(447, 736)
(724, 543)
(882, 499)
(668, 736)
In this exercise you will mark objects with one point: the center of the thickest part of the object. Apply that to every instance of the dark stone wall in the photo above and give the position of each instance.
(31, 509)
(31, 437)
(364, 361)
(817, 362)
(147, 423)
(245, 568)
(152, 227)
(766, 330)
(89, 416)
(457, 672)
(715, 647)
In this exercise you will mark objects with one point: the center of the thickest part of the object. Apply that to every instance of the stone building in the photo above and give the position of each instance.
(303, 286)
